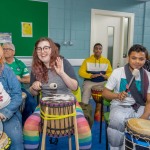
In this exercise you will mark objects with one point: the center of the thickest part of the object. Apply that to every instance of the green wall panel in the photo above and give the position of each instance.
(13, 12)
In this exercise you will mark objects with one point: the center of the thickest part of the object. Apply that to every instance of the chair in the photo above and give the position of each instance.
(104, 102)
(77, 94)
(106, 118)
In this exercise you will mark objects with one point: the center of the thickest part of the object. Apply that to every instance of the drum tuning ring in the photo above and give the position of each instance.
(53, 86)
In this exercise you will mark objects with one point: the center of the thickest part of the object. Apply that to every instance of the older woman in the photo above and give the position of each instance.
(10, 114)
(48, 68)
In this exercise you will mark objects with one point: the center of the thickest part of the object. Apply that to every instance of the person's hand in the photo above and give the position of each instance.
(95, 75)
(2, 117)
(59, 68)
(36, 86)
(18, 77)
(121, 96)
(103, 75)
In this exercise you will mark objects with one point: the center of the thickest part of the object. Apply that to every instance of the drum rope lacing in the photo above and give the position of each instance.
(55, 129)
(56, 117)
(137, 137)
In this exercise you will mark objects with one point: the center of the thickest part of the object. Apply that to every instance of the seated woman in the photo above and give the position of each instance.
(48, 68)
(10, 114)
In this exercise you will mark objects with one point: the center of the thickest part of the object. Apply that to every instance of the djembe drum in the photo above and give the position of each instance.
(5, 141)
(137, 134)
(97, 97)
(58, 117)
(24, 95)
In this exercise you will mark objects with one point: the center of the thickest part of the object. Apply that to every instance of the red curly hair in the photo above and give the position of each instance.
(39, 69)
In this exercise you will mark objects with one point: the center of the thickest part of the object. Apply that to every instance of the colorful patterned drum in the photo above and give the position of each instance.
(97, 95)
(5, 142)
(137, 134)
(60, 114)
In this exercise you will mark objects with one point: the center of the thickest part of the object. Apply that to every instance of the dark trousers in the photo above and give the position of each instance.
(30, 105)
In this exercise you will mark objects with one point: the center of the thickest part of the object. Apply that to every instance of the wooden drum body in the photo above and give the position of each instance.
(59, 114)
(5, 142)
(96, 92)
(137, 134)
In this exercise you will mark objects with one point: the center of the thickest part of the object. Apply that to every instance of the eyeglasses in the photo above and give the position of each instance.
(45, 49)
(7, 49)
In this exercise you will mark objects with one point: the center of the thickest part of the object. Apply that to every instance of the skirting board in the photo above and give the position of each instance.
(28, 60)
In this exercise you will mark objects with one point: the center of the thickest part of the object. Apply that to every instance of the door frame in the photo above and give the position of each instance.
(121, 15)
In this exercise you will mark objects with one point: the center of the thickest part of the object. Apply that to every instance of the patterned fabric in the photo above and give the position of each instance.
(31, 130)
(147, 65)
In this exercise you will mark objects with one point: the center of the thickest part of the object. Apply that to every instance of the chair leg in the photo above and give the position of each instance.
(106, 136)
(70, 143)
(101, 111)
(75, 130)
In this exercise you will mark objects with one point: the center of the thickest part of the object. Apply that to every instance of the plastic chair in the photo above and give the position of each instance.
(77, 94)
(105, 102)
(106, 118)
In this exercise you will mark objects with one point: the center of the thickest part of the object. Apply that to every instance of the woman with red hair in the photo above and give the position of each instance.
(49, 71)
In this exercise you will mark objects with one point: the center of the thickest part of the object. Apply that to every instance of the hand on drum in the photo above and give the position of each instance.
(36, 85)
(121, 96)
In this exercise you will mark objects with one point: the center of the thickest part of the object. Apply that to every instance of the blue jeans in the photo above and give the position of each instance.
(30, 105)
(13, 129)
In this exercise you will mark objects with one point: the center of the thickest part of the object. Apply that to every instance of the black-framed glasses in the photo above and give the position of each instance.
(45, 49)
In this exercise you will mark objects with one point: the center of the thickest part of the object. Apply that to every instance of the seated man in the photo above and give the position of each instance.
(128, 100)
(23, 76)
(95, 70)
(10, 100)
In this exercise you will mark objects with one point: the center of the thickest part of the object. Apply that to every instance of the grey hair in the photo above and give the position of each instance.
(11, 45)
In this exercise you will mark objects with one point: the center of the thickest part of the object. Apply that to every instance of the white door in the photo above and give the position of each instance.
(102, 24)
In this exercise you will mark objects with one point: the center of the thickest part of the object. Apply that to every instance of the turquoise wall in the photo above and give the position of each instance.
(71, 19)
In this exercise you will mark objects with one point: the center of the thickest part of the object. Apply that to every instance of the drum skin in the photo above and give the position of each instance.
(5, 142)
(137, 134)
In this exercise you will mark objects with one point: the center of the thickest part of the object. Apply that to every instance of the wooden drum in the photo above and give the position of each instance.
(24, 95)
(137, 134)
(97, 95)
(59, 115)
(5, 141)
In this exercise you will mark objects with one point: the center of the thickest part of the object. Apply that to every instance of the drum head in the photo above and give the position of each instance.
(1, 129)
(24, 95)
(58, 97)
(139, 126)
(97, 87)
